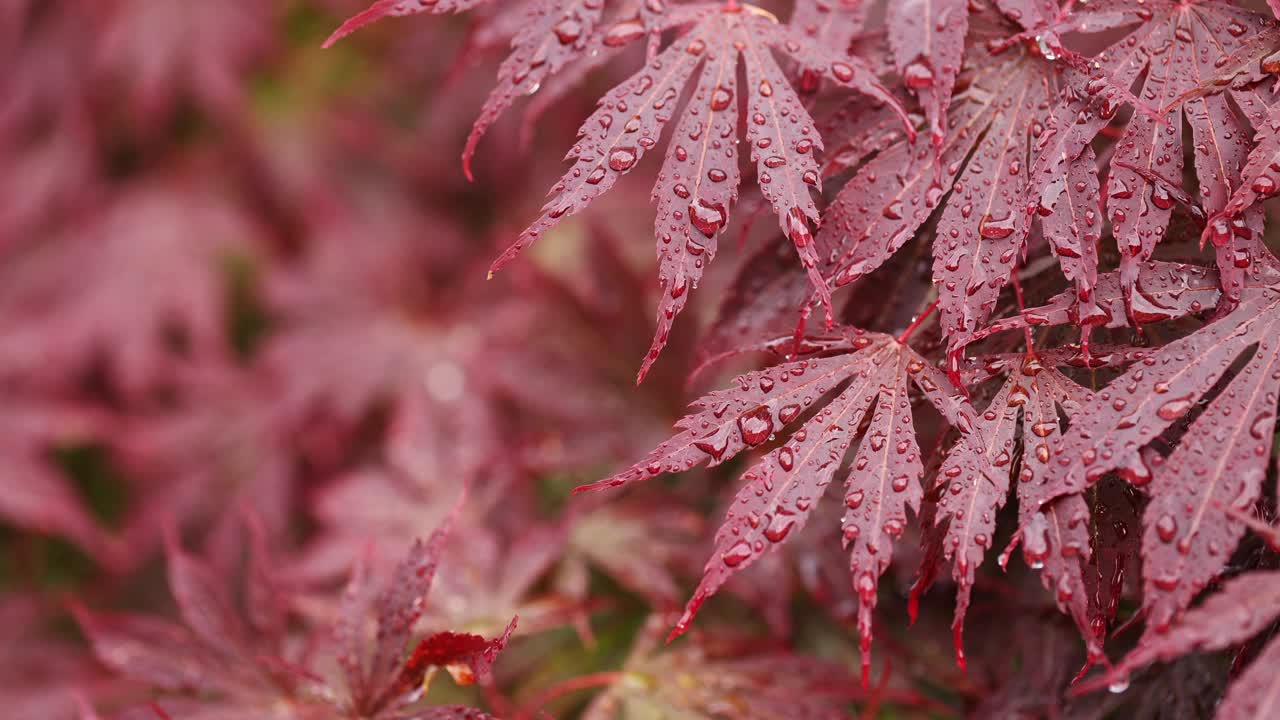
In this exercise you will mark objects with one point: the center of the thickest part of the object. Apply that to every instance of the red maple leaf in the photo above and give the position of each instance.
(157, 254)
(1173, 51)
(37, 494)
(875, 373)
(1187, 532)
(1244, 606)
(233, 655)
(162, 53)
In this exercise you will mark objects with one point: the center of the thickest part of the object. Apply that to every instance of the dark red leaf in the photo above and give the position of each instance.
(467, 657)
(1244, 607)
(1220, 463)
(1254, 694)
(1136, 407)
(927, 38)
(784, 143)
(976, 477)
(779, 492)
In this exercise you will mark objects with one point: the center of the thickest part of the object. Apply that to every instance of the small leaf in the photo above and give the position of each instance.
(398, 8)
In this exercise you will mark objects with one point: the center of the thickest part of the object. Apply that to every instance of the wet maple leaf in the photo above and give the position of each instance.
(812, 562)
(1218, 463)
(975, 180)
(1171, 52)
(552, 34)
(386, 674)
(1221, 462)
(1159, 291)
(927, 38)
(974, 483)
(699, 180)
(1245, 606)
(1258, 177)
(875, 373)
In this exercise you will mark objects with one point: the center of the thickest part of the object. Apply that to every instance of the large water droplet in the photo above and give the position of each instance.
(568, 31)
(720, 98)
(786, 459)
(1174, 409)
(736, 555)
(842, 71)
(854, 500)
(708, 218)
(779, 527)
(918, 75)
(994, 228)
(756, 426)
(623, 33)
(622, 159)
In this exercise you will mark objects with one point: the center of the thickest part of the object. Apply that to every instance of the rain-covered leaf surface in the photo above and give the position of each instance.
(275, 448)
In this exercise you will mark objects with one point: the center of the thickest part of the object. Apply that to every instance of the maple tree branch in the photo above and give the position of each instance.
(872, 708)
(564, 687)
(918, 321)
(1022, 309)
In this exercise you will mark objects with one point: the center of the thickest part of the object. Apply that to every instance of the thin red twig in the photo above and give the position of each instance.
(928, 311)
(583, 682)
(1022, 309)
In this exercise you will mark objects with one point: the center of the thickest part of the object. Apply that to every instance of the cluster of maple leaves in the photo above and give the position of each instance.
(275, 448)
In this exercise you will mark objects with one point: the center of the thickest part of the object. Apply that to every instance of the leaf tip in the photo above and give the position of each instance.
(913, 602)
(686, 619)
(354, 23)
(466, 167)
